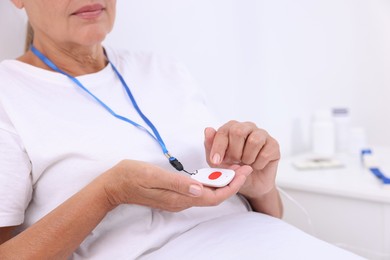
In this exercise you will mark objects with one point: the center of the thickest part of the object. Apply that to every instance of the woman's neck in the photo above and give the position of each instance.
(74, 60)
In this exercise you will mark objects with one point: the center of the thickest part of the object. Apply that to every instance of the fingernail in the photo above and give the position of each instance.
(195, 190)
(216, 158)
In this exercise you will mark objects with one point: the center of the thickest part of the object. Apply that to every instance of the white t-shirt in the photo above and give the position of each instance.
(55, 139)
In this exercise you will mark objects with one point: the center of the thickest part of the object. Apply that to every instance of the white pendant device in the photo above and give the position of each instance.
(214, 177)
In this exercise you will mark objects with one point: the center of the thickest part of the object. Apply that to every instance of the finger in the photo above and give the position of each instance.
(209, 134)
(253, 145)
(178, 183)
(238, 169)
(238, 134)
(270, 152)
(245, 170)
(234, 167)
(220, 144)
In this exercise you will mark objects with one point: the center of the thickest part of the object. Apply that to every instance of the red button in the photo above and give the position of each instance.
(215, 175)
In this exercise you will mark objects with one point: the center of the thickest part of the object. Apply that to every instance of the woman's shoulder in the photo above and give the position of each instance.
(8, 70)
(5, 65)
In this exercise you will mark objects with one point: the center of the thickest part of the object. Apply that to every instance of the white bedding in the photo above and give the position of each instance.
(248, 236)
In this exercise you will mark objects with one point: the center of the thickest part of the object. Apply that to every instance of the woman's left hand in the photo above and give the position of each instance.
(243, 143)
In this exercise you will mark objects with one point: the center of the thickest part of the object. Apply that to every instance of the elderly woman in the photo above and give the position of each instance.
(84, 132)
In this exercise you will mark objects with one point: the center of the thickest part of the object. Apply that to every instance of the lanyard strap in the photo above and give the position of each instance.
(173, 161)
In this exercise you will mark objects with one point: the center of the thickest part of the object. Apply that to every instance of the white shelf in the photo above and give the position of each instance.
(351, 181)
(345, 206)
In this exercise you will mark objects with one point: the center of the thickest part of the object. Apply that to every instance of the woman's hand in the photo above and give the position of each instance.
(237, 143)
(135, 182)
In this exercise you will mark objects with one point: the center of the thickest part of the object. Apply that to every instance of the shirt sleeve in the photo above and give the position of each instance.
(15, 175)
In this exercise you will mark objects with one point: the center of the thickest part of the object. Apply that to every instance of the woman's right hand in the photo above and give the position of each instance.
(135, 182)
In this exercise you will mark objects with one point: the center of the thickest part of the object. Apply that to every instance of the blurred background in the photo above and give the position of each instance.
(273, 62)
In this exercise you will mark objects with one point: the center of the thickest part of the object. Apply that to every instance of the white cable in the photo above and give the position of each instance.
(308, 219)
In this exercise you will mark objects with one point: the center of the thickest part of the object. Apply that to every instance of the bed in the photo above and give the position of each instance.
(248, 236)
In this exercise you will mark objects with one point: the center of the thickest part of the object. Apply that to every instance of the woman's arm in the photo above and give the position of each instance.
(269, 203)
(60, 232)
(6, 233)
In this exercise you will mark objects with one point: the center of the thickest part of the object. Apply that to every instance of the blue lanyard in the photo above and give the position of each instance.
(172, 160)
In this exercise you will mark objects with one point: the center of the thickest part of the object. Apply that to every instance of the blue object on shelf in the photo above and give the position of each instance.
(369, 161)
(378, 173)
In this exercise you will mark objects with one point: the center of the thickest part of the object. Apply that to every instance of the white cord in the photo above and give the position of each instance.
(308, 219)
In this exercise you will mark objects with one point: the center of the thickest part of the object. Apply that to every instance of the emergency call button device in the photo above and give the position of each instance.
(214, 177)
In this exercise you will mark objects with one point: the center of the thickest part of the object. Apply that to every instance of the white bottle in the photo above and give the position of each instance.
(323, 134)
(342, 127)
(357, 140)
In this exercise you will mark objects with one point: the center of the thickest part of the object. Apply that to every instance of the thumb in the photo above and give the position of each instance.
(209, 134)
(182, 184)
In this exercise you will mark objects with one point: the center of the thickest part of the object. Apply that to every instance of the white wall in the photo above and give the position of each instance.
(273, 61)
(12, 30)
(201, 33)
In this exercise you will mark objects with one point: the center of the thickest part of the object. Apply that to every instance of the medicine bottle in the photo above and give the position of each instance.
(323, 134)
(342, 127)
